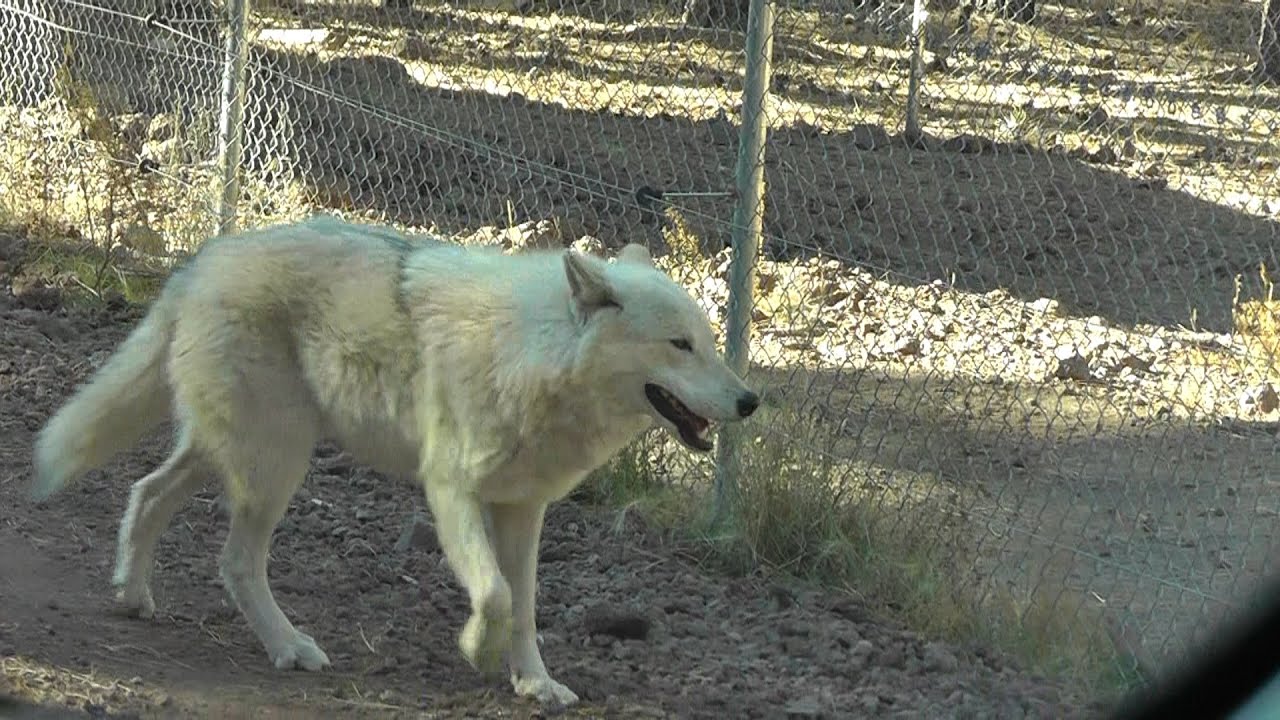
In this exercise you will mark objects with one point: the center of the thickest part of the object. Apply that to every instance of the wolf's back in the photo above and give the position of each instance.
(127, 396)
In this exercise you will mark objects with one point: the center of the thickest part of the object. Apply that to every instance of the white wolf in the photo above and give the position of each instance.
(498, 382)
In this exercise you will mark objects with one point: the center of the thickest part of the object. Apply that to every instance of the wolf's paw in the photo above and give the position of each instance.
(302, 653)
(546, 691)
(136, 601)
(483, 640)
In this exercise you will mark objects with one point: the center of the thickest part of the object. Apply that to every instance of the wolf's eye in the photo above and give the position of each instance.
(682, 344)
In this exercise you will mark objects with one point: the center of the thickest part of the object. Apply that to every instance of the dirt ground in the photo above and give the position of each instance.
(715, 647)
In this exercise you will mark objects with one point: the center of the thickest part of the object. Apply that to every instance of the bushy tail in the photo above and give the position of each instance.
(125, 398)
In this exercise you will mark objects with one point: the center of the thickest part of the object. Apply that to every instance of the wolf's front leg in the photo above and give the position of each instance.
(460, 526)
(516, 529)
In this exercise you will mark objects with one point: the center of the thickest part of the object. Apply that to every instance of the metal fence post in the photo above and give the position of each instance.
(748, 222)
(231, 114)
(919, 15)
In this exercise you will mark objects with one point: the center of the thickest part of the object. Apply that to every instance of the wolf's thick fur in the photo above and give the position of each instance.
(497, 382)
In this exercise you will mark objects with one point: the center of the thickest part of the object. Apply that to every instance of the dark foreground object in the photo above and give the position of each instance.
(1241, 669)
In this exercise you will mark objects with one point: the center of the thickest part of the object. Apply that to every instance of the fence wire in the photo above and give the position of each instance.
(1019, 303)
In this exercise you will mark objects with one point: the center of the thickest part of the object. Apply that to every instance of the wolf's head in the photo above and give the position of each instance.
(650, 342)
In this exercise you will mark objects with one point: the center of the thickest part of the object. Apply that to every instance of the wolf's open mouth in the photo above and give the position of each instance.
(691, 426)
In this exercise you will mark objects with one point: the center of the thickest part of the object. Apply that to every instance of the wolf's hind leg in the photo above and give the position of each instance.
(152, 504)
(254, 415)
(259, 489)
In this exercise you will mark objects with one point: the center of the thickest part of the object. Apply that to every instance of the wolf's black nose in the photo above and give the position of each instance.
(747, 404)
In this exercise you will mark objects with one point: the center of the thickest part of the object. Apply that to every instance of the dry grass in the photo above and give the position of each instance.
(40, 683)
(1258, 320)
(905, 551)
(86, 274)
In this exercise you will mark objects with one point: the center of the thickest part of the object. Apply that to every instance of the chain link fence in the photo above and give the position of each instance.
(1012, 281)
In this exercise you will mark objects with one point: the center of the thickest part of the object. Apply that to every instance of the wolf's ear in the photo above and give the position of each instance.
(635, 253)
(587, 284)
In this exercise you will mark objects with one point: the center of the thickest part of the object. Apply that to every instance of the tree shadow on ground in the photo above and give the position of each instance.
(366, 134)
(642, 23)
(1037, 225)
(1147, 527)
